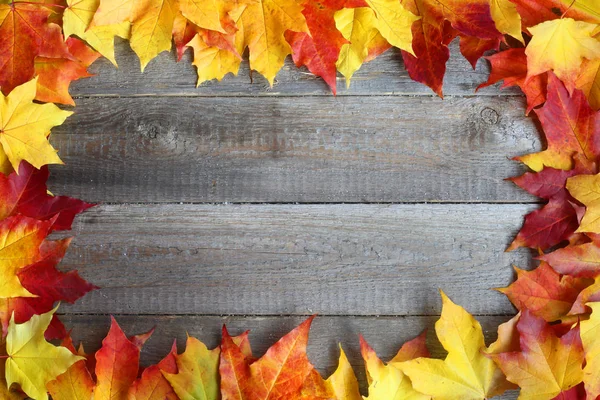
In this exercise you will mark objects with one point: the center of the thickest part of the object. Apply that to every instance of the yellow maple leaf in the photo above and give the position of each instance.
(388, 382)
(343, 381)
(264, 24)
(213, 61)
(589, 82)
(586, 189)
(20, 240)
(507, 19)
(561, 45)
(76, 21)
(590, 337)
(394, 22)
(32, 361)
(359, 27)
(151, 24)
(466, 373)
(24, 126)
(198, 370)
(214, 15)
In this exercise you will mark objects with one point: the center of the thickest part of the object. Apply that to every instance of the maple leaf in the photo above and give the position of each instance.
(214, 15)
(265, 23)
(77, 18)
(569, 125)
(26, 33)
(387, 381)
(26, 193)
(585, 188)
(507, 18)
(24, 126)
(76, 383)
(589, 294)
(544, 292)
(56, 74)
(319, 50)
(43, 280)
(547, 227)
(152, 385)
(588, 82)
(215, 54)
(510, 66)
(546, 365)
(116, 365)
(151, 23)
(472, 21)
(561, 45)
(341, 385)
(394, 22)
(279, 374)
(590, 331)
(32, 362)
(466, 373)
(359, 28)
(197, 372)
(581, 260)
(20, 240)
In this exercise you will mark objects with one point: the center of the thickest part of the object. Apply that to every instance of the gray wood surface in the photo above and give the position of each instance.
(159, 153)
(384, 334)
(295, 259)
(301, 149)
(164, 76)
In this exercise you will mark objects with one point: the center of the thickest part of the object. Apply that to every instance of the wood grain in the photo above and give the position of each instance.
(295, 259)
(384, 334)
(164, 76)
(294, 149)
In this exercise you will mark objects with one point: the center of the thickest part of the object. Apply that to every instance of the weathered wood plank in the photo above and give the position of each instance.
(164, 76)
(295, 259)
(317, 149)
(384, 334)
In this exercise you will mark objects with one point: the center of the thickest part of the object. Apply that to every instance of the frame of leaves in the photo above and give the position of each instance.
(550, 49)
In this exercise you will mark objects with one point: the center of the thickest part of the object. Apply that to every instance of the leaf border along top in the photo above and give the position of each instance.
(556, 63)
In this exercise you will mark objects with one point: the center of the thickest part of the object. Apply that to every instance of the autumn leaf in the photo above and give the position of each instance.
(197, 372)
(546, 365)
(151, 23)
(466, 373)
(590, 331)
(214, 15)
(20, 241)
(319, 50)
(472, 21)
(49, 285)
(215, 54)
(24, 126)
(56, 74)
(26, 33)
(547, 227)
(116, 365)
(76, 383)
(507, 18)
(585, 188)
(152, 385)
(569, 125)
(32, 362)
(544, 292)
(77, 18)
(510, 66)
(387, 382)
(26, 193)
(394, 22)
(265, 23)
(343, 382)
(359, 28)
(561, 45)
(588, 82)
(581, 260)
(279, 374)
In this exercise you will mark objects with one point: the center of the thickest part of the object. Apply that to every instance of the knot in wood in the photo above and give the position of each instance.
(490, 116)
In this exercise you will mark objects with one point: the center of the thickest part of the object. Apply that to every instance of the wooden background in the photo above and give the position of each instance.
(253, 206)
